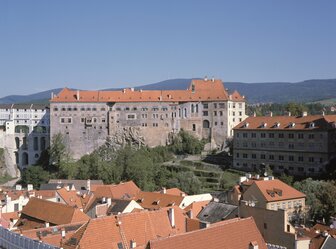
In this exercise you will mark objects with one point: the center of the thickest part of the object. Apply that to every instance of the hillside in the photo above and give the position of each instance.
(272, 92)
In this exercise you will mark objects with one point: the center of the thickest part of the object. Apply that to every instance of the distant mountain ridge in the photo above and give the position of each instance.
(272, 92)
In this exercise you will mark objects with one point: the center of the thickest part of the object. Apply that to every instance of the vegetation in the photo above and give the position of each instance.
(295, 109)
(185, 143)
(320, 196)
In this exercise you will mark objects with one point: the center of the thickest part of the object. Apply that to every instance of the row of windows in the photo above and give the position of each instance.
(286, 205)
(282, 145)
(278, 135)
(154, 125)
(81, 108)
(290, 158)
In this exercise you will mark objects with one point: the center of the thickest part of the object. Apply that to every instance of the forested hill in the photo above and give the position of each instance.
(272, 92)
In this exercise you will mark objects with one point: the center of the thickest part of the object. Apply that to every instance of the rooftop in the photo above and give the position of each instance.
(230, 234)
(199, 90)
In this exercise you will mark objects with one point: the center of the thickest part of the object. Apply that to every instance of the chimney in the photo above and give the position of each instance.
(254, 114)
(88, 185)
(52, 95)
(271, 114)
(323, 113)
(253, 245)
(133, 244)
(289, 114)
(171, 216)
(304, 114)
(257, 177)
(213, 79)
(18, 187)
(206, 78)
(30, 187)
(109, 201)
(63, 233)
(164, 190)
(77, 95)
(47, 224)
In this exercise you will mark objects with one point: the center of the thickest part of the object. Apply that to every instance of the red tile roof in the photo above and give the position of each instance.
(107, 232)
(38, 211)
(230, 234)
(124, 190)
(276, 190)
(173, 191)
(311, 122)
(73, 198)
(199, 90)
(152, 200)
(196, 207)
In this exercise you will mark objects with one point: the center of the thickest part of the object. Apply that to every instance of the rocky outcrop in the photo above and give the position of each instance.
(6, 164)
(126, 136)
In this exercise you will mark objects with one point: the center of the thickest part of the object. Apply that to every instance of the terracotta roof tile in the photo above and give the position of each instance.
(73, 198)
(199, 90)
(152, 200)
(38, 211)
(312, 122)
(231, 234)
(280, 190)
(196, 207)
(125, 190)
(107, 232)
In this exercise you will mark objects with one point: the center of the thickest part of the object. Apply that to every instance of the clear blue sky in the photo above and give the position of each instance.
(90, 44)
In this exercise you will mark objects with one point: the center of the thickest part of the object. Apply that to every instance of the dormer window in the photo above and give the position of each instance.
(263, 125)
(192, 88)
(277, 125)
(291, 124)
(312, 125)
(156, 202)
(246, 125)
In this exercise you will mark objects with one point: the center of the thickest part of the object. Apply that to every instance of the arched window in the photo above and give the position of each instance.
(192, 108)
(206, 124)
(43, 143)
(196, 108)
(17, 142)
(24, 159)
(35, 143)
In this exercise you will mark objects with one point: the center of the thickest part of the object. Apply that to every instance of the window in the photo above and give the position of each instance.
(144, 115)
(311, 159)
(281, 135)
(291, 135)
(291, 158)
(254, 156)
(127, 108)
(215, 105)
(281, 157)
(221, 105)
(262, 156)
(263, 135)
(205, 113)
(233, 113)
(300, 158)
(215, 113)
(311, 136)
(271, 157)
(291, 146)
(220, 113)
(237, 155)
(253, 135)
(245, 155)
(244, 135)
(205, 106)
(300, 136)
(16, 207)
(240, 113)
(155, 124)
(131, 116)
(271, 135)
(194, 127)
(55, 109)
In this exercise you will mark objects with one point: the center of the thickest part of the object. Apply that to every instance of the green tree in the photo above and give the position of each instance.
(58, 151)
(185, 143)
(320, 197)
(35, 175)
(186, 181)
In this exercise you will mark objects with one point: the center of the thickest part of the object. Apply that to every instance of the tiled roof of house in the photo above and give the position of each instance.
(310, 122)
(276, 190)
(123, 190)
(172, 191)
(45, 194)
(39, 210)
(196, 207)
(230, 234)
(108, 232)
(73, 198)
(152, 200)
(199, 90)
(24, 106)
(317, 234)
(52, 235)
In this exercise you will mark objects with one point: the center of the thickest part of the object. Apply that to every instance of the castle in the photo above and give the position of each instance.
(151, 117)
